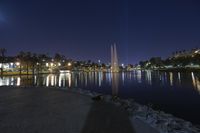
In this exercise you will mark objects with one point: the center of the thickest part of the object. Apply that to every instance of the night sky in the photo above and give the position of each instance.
(85, 29)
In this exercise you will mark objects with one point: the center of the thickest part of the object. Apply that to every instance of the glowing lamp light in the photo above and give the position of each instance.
(47, 64)
(17, 63)
(69, 64)
(59, 64)
(51, 64)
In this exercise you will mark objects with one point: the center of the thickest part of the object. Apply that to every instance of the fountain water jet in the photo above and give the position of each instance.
(114, 59)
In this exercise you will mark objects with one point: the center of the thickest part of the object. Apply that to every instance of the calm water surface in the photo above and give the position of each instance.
(174, 92)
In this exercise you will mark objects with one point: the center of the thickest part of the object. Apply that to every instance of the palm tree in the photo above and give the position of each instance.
(33, 61)
(42, 59)
(21, 58)
(27, 61)
(2, 55)
(57, 57)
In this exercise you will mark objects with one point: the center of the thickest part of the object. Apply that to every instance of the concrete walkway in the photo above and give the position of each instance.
(51, 110)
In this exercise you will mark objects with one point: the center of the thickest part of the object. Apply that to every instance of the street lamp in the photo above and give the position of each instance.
(69, 64)
(17, 63)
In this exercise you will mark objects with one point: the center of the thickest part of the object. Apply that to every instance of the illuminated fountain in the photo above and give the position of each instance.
(114, 59)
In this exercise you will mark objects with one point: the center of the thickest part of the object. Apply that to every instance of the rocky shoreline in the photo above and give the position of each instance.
(161, 121)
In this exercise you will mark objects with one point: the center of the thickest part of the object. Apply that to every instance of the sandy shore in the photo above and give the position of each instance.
(52, 110)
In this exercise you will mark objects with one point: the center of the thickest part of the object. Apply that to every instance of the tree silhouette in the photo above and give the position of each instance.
(2, 58)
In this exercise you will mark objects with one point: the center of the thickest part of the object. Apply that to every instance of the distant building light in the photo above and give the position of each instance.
(59, 64)
(51, 64)
(37, 63)
(47, 64)
(11, 64)
(197, 51)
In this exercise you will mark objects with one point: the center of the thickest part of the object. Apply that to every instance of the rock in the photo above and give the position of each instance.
(97, 98)
(163, 122)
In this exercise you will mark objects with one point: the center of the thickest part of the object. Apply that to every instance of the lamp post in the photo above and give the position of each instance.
(69, 64)
(18, 64)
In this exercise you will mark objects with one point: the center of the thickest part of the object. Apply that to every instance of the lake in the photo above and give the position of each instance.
(177, 93)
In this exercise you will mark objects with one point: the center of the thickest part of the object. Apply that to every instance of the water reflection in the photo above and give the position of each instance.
(171, 78)
(139, 76)
(148, 77)
(179, 77)
(18, 81)
(100, 78)
(64, 80)
(196, 82)
(109, 80)
(6, 81)
(123, 77)
(115, 84)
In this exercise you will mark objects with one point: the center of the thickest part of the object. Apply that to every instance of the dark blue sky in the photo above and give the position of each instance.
(85, 29)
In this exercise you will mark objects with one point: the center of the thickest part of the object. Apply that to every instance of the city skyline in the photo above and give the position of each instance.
(84, 30)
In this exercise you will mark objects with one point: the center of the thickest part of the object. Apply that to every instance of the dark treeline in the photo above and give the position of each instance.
(26, 61)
